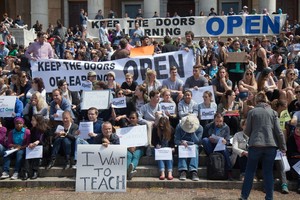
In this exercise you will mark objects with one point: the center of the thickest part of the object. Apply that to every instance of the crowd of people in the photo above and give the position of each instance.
(270, 70)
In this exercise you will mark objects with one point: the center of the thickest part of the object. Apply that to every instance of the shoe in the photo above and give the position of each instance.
(74, 167)
(148, 151)
(14, 176)
(162, 177)
(4, 175)
(131, 174)
(129, 171)
(242, 177)
(67, 163)
(182, 176)
(34, 176)
(195, 176)
(25, 176)
(284, 188)
(51, 164)
(170, 177)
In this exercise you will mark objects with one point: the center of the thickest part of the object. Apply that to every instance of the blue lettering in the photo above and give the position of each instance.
(232, 22)
(209, 26)
(250, 23)
(274, 26)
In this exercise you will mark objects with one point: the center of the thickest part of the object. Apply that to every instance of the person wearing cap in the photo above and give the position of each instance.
(293, 152)
(19, 139)
(3, 53)
(220, 129)
(244, 11)
(189, 132)
(265, 137)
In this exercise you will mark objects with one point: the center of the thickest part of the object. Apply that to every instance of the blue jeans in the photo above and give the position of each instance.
(193, 165)
(134, 157)
(66, 145)
(19, 158)
(267, 156)
(163, 163)
(60, 50)
(77, 142)
(2, 150)
(209, 148)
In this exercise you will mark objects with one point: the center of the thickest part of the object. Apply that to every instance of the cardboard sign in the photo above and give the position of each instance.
(101, 169)
(237, 57)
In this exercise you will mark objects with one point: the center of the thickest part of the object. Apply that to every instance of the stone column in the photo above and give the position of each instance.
(39, 11)
(66, 13)
(205, 6)
(270, 5)
(163, 8)
(150, 6)
(94, 6)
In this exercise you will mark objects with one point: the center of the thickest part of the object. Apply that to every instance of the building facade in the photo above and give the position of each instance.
(48, 11)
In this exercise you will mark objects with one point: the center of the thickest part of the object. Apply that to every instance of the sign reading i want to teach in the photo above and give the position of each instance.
(101, 169)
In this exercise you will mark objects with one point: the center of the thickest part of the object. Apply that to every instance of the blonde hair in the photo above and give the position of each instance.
(41, 103)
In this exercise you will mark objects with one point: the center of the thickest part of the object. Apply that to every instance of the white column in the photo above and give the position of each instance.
(94, 6)
(163, 8)
(39, 11)
(66, 13)
(270, 5)
(150, 6)
(205, 6)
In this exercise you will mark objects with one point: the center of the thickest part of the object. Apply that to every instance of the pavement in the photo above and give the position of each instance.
(135, 194)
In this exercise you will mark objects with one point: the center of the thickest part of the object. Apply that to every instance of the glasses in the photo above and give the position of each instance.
(297, 92)
(23, 76)
(120, 93)
(249, 74)
(292, 74)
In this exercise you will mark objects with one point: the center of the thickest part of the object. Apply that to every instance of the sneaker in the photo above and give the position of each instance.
(74, 167)
(14, 176)
(242, 177)
(195, 176)
(5, 175)
(131, 174)
(182, 176)
(284, 188)
(129, 171)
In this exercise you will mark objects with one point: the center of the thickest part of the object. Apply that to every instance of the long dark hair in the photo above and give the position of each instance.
(166, 133)
(42, 124)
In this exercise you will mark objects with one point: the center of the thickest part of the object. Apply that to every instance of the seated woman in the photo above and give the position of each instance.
(166, 95)
(139, 98)
(208, 103)
(267, 84)
(231, 110)
(119, 115)
(134, 154)
(64, 137)
(187, 105)
(37, 86)
(3, 131)
(240, 150)
(111, 83)
(293, 152)
(247, 84)
(221, 83)
(39, 136)
(18, 138)
(151, 82)
(287, 86)
(163, 136)
(36, 105)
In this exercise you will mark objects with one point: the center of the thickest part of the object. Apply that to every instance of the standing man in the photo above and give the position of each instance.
(260, 58)
(99, 15)
(40, 49)
(103, 33)
(136, 34)
(191, 45)
(60, 33)
(265, 136)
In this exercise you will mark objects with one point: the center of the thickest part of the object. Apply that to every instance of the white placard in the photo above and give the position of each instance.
(278, 155)
(86, 86)
(119, 102)
(10, 151)
(296, 47)
(101, 169)
(133, 136)
(59, 128)
(163, 153)
(99, 99)
(36, 152)
(85, 128)
(207, 113)
(170, 107)
(220, 146)
(59, 117)
(296, 167)
(187, 152)
(198, 94)
(7, 106)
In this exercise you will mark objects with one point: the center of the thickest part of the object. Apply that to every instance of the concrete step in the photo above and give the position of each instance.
(141, 182)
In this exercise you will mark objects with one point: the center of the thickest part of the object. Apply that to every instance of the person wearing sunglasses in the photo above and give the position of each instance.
(287, 86)
(247, 84)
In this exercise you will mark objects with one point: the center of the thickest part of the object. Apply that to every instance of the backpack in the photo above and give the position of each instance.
(216, 167)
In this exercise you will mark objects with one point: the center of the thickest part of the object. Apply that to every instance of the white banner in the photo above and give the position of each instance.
(133, 136)
(101, 169)
(75, 72)
(226, 26)
(7, 106)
